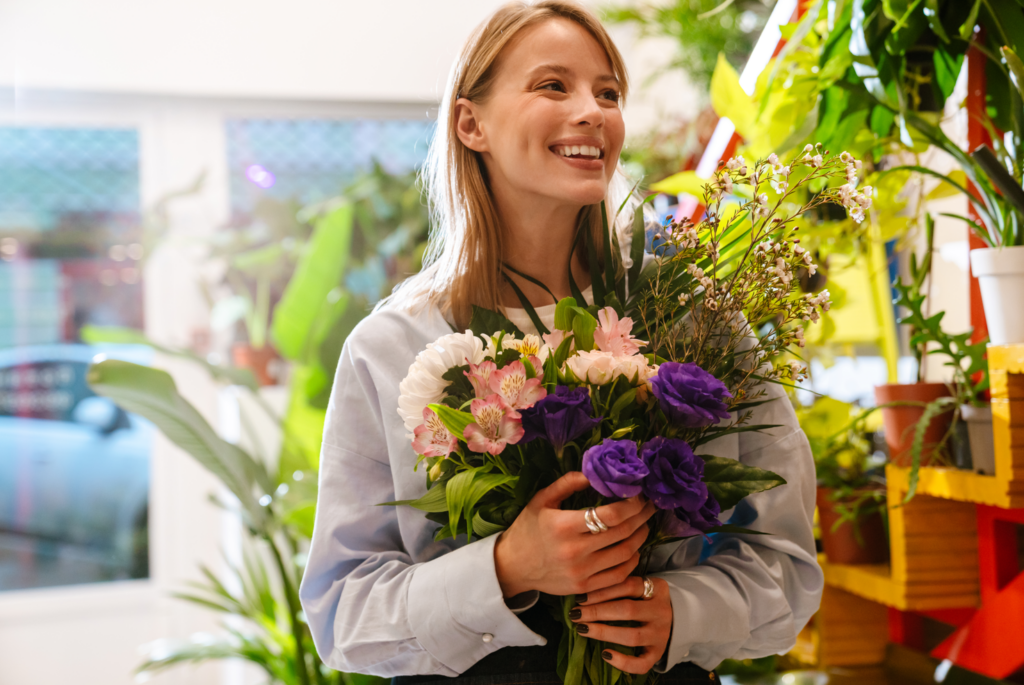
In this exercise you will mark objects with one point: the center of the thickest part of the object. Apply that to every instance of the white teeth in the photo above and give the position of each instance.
(585, 150)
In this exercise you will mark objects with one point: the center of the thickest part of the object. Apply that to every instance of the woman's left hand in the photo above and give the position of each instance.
(623, 602)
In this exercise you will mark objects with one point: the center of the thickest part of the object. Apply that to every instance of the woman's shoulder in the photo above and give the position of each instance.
(394, 333)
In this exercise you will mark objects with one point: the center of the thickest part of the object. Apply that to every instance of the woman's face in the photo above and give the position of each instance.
(551, 127)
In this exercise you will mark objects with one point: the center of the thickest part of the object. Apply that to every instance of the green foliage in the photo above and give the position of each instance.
(701, 28)
(927, 337)
(729, 481)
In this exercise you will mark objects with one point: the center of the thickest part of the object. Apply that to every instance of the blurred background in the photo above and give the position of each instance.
(220, 190)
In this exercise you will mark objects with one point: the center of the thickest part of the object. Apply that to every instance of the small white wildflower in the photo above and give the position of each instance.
(773, 159)
(808, 148)
(846, 157)
(816, 161)
(683, 298)
(851, 174)
(857, 214)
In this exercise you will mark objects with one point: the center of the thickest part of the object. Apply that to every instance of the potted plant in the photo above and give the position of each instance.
(851, 494)
(920, 418)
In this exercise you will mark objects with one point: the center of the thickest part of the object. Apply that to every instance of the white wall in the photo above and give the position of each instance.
(319, 50)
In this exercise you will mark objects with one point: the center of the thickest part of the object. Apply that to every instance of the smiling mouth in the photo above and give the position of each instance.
(578, 151)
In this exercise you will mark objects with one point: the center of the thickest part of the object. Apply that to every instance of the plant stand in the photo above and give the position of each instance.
(954, 555)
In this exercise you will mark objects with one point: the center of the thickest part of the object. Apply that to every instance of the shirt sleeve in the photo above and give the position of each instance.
(370, 608)
(752, 594)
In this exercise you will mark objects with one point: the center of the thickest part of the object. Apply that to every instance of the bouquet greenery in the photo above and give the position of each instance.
(671, 354)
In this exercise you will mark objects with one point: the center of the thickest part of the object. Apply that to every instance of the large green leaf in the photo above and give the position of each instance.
(432, 502)
(583, 327)
(152, 394)
(318, 272)
(453, 419)
(729, 480)
(466, 488)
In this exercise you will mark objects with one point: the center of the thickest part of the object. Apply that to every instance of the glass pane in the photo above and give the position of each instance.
(313, 159)
(74, 468)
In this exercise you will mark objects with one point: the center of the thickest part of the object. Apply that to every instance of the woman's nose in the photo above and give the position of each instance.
(587, 111)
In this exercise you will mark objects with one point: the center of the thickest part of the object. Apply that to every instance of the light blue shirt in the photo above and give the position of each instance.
(383, 598)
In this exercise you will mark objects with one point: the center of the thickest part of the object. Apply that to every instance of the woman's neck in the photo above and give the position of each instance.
(539, 240)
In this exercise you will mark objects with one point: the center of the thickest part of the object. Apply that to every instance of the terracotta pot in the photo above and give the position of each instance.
(900, 421)
(841, 544)
(261, 362)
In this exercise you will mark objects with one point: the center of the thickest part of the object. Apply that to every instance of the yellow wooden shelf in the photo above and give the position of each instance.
(933, 549)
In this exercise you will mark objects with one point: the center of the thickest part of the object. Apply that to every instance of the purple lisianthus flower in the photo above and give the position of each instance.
(614, 469)
(676, 478)
(680, 523)
(560, 418)
(690, 396)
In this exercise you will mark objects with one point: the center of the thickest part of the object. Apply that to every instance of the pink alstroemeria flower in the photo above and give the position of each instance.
(433, 439)
(615, 335)
(480, 376)
(497, 425)
(518, 391)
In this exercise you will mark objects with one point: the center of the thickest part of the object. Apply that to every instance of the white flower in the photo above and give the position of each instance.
(808, 148)
(600, 368)
(816, 161)
(423, 384)
(773, 159)
(846, 157)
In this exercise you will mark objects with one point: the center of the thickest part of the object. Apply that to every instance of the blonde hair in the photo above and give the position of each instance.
(462, 264)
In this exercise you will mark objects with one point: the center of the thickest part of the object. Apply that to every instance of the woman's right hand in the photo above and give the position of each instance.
(552, 550)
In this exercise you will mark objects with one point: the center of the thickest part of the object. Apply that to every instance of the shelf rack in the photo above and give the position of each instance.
(953, 551)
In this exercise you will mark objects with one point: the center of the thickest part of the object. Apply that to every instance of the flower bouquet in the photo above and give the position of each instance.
(633, 387)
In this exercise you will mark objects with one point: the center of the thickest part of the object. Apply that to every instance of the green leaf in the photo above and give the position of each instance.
(432, 502)
(152, 394)
(453, 419)
(484, 528)
(626, 399)
(684, 182)
(583, 327)
(596, 277)
(606, 245)
(564, 313)
(531, 279)
(466, 488)
(729, 481)
(530, 311)
(487, 322)
(318, 272)
(967, 28)
(302, 518)
(931, 12)
(730, 100)
(636, 249)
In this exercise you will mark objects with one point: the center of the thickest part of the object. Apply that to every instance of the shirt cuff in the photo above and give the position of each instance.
(706, 609)
(522, 601)
(456, 609)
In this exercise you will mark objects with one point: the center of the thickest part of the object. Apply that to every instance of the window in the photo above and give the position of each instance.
(74, 468)
(312, 159)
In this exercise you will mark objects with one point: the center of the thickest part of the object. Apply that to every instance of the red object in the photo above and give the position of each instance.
(992, 641)
(840, 541)
(906, 628)
(976, 135)
(901, 420)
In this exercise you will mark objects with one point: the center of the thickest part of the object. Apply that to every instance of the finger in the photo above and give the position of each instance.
(618, 533)
(617, 513)
(622, 610)
(614, 575)
(632, 587)
(630, 664)
(552, 495)
(638, 636)
(614, 555)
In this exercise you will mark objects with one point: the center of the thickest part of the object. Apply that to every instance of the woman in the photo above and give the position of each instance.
(527, 147)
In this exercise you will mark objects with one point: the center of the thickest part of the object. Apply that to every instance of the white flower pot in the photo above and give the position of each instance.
(1000, 273)
(979, 430)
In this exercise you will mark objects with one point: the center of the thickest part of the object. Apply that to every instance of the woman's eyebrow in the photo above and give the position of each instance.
(566, 71)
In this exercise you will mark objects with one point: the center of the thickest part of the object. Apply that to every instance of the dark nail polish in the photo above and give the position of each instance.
(575, 614)
(580, 599)
(606, 655)
(582, 628)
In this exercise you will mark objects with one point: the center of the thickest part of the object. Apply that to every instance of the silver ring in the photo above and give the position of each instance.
(594, 524)
(648, 589)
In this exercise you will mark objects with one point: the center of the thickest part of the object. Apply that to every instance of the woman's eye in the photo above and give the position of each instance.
(611, 95)
(554, 86)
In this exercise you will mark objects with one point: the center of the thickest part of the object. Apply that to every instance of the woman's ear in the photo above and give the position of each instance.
(468, 125)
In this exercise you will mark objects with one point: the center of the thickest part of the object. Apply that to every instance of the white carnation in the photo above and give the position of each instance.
(423, 383)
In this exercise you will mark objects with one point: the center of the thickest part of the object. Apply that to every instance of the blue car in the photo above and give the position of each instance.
(74, 471)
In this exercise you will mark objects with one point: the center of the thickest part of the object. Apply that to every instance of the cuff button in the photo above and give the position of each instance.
(487, 637)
